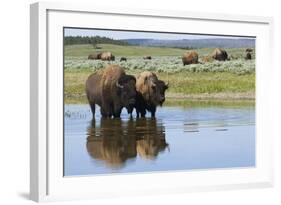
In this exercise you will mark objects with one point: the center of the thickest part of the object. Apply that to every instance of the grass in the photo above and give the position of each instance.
(229, 80)
(209, 103)
(180, 84)
(118, 50)
(166, 64)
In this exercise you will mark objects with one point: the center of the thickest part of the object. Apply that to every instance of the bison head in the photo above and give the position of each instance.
(157, 92)
(127, 91)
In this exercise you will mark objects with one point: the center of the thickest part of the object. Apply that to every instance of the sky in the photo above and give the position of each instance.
(118, 35)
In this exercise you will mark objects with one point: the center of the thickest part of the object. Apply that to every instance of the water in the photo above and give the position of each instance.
(180, 138)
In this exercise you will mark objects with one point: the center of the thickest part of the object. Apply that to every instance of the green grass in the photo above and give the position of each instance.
(117, 50)
(196, 83)
(187, 103)
(182, 83)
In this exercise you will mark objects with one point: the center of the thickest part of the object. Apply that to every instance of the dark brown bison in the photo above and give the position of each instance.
(190, 58)
(123, 59)
(150, 93)
(249, 50)
(107, 56)
(94, 56)
(147, 58)
(111, 89)
(248, 56)
(219, 54)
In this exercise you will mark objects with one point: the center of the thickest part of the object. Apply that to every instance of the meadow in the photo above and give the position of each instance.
(232, 80)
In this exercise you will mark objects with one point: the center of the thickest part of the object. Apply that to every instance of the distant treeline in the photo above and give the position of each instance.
(71, 40)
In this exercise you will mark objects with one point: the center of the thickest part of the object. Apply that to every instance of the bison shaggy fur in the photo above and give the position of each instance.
(111, 89)
(150, 93)
(107, 56)
(219, 54)
(94, 56)
(190, 58)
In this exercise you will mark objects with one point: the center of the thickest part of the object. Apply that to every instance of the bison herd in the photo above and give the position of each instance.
(218, 54)
(190, 57)
(112, 89)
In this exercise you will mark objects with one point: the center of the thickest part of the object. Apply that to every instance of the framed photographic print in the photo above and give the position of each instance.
(127, 102)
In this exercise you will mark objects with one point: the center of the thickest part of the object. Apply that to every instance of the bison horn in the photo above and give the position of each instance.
(118, 85)
(167, 84)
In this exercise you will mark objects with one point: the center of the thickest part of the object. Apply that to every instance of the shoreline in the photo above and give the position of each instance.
(223, 96)
(226, 97)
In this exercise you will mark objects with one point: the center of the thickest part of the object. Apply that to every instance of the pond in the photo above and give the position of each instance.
(179, 138)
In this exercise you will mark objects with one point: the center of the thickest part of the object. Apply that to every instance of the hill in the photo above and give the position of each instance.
(74, 40)
(195, 43)
(84, 50)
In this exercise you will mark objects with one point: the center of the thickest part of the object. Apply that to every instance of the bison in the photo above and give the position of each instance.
(150, 93)
(219, 54)
(111, 89)
(123, 59)
(147, 58)
(248, 56)
(95, 56)
(107, 56)
(249, 50)
(190, 58)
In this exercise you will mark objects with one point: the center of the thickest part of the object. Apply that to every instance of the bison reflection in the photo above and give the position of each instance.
(114, 141)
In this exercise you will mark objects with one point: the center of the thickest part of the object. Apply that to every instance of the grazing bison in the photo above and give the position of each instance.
(111, 89)
(123, 59)
(190, 58)
(249, 50)
(147, 58)
(248, 56)
(107, 56)
(150, 93)
(95, 56)
(219, 54)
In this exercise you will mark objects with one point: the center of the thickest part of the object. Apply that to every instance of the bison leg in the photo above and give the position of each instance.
(93, 108)
(153, 110)
(117, 111)
(143, 112)
(117, 115)
(140, 111)
(105, 112)
(102, 112)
